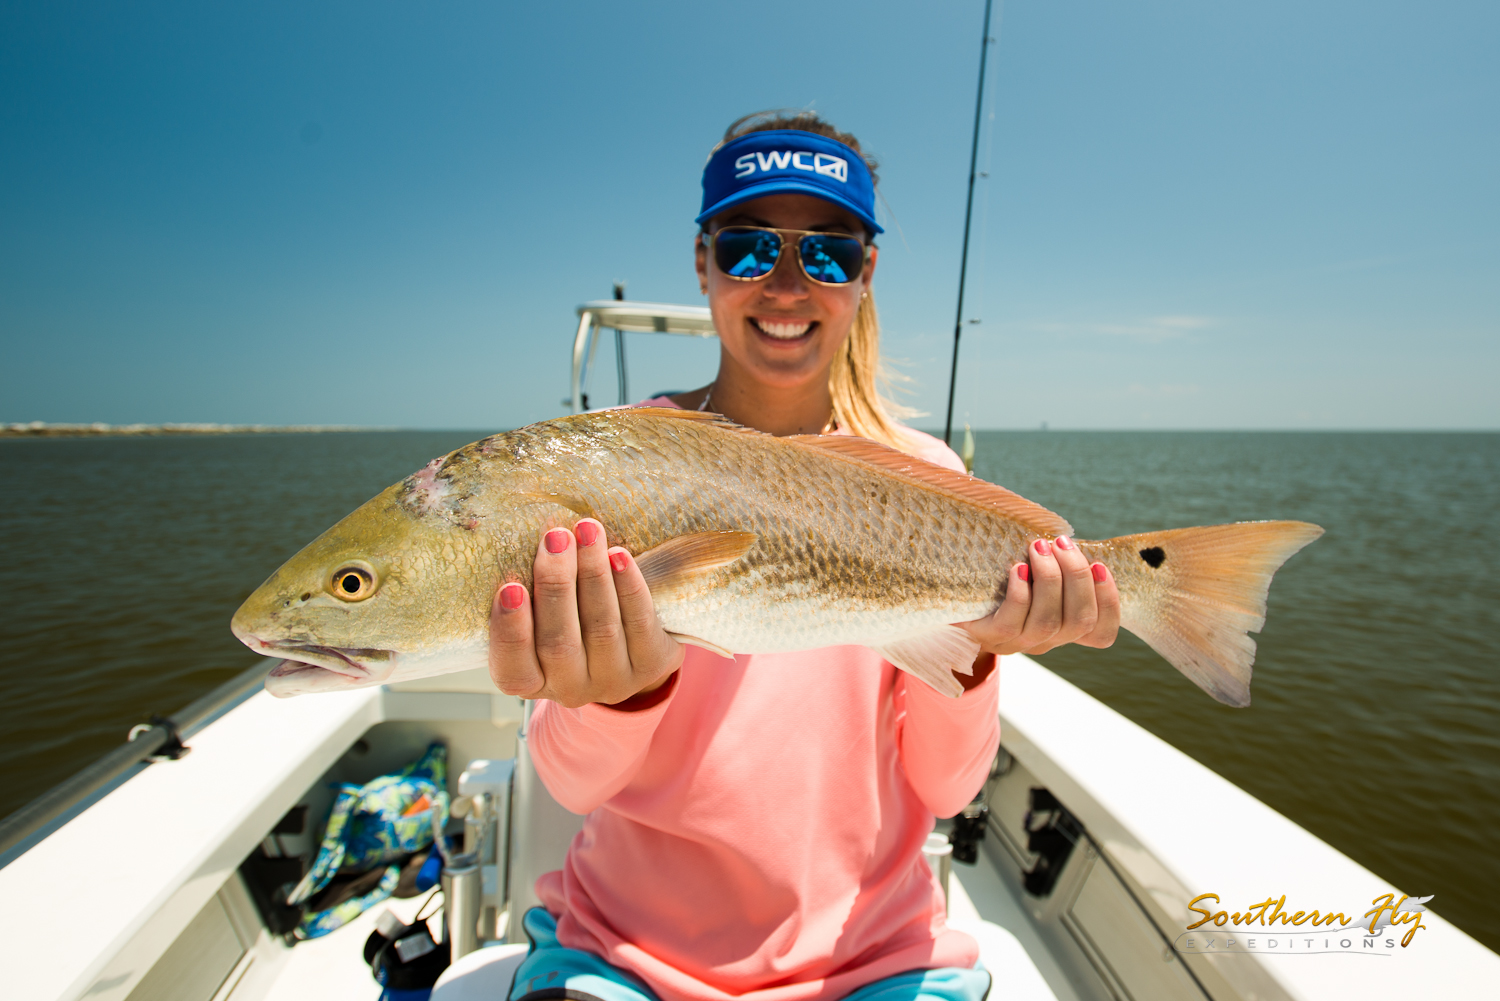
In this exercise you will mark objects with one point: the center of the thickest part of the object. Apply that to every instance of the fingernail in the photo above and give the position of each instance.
(1099, 573)
(1040, 545)
(557, 540)
(1024, 572)
(618, 561)
(511, 596)
(587, 533)
(1063, 542)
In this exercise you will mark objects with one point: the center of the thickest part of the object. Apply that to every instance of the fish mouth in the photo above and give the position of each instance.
(314, 667)
(357, 664)
(293, 677)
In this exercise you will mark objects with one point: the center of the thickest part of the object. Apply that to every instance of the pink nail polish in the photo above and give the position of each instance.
(618, 561)
(1099, 573)
(511, 596)
(1040, 545)
(587, 532)
(1024, 572)
(557, 540)
(1063, 542)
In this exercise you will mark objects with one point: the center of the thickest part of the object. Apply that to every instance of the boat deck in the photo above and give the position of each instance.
(164, 913)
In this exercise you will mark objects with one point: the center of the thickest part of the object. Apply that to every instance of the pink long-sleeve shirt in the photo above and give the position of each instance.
(757, 834)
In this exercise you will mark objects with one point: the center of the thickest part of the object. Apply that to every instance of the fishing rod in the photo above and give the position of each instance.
(963, 266)
(620, 347)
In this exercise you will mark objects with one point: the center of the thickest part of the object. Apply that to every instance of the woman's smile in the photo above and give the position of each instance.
(786, 329)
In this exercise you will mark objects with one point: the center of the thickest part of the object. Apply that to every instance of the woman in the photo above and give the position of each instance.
(755, 824)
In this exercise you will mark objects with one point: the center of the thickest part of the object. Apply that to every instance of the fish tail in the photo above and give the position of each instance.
(1194, 593)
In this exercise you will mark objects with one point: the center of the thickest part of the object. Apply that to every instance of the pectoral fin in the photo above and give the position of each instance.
(682, 561)
(580, 507)
(934, 655)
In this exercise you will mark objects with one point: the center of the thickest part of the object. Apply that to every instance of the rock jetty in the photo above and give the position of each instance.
(41, 429)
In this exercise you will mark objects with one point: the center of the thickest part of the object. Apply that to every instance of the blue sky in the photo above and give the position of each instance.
(1257, 215)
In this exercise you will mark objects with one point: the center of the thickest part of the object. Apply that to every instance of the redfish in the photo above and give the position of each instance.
(750, 544)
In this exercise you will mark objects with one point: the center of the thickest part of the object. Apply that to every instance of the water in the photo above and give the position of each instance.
(1376, 696)
(125, 558)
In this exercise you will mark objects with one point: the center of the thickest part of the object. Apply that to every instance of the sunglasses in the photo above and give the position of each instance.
(749, 253)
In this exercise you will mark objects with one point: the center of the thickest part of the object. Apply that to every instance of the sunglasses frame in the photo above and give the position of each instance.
(711, 238)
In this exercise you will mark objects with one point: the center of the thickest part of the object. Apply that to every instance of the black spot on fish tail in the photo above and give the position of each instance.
(1155, 556)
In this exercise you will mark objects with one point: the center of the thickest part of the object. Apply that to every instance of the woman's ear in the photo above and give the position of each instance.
(869, 273)
(700, 262)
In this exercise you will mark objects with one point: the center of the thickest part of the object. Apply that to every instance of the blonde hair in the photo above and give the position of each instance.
(856, 379)
(858, 375)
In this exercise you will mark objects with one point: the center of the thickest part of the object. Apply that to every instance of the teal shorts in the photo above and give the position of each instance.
(552, 971)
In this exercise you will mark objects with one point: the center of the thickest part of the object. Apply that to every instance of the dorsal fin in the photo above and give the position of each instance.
(1029, 513)
(701, 416)
(677, 412)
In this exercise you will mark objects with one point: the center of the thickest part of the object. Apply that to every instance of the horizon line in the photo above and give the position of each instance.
(46, 429)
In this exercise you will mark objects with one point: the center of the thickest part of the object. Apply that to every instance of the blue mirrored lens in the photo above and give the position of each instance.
(746, 253)
(836, 260)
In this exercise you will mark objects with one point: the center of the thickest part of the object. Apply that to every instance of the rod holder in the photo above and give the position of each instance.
(487, 833)
(938, 852)
(463, 896)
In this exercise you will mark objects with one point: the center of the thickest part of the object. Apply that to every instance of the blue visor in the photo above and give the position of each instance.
(783, 161)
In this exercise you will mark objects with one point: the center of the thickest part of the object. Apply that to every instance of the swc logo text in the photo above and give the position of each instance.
(835, 167)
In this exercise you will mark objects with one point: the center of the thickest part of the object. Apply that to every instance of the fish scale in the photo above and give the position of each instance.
(825, 569)
(749, 543)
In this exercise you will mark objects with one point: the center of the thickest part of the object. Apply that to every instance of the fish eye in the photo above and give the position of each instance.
(353, 582)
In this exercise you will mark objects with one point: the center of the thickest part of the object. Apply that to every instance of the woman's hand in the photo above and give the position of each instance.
(1056, 597)
(591, 633)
